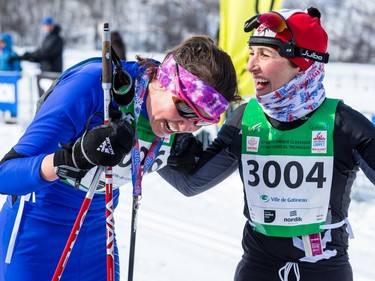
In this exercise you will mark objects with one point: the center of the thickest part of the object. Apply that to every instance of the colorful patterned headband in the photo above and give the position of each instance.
(194, 90)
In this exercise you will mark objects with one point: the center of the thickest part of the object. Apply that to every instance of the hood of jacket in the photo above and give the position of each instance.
(8, 39)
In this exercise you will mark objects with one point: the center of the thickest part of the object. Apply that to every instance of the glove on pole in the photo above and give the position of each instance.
(104, 145)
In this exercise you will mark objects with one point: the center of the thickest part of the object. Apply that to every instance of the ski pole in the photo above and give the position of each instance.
(133, 234)
(107, 85)
(77, 225)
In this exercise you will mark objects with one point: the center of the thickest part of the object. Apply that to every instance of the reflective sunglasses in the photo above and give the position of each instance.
(277, 23)
(186, 108)
(185, 111)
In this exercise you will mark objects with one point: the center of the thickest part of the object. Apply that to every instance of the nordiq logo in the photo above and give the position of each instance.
(264, 198)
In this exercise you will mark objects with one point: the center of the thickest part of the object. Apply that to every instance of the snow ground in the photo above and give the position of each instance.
(199, 238)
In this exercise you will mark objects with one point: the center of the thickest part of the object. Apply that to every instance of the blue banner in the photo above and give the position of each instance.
(9, 91)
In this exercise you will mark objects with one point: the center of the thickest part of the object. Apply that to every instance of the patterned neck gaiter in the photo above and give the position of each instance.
(297, 98)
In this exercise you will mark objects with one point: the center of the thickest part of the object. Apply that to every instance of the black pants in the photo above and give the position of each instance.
(252, 269)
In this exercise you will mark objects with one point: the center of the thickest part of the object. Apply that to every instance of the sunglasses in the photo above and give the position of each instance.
(277, 23)
(185, 111)
(186, 108)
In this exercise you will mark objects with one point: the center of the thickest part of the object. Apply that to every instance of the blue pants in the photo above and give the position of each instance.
(42, 236)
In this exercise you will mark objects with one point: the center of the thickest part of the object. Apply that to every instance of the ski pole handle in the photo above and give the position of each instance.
(106, 70)
(107, 85)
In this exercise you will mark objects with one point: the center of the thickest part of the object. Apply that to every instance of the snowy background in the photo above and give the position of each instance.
(199, 238)
(156, 25)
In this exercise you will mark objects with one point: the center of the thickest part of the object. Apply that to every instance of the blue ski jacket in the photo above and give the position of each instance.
(38, 216)
(6, 53)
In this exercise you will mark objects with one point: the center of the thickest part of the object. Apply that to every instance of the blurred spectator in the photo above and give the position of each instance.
(50, 53)
(118, 44)
(7, 53)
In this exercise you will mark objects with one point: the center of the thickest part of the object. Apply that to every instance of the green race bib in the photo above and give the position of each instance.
(288, 174)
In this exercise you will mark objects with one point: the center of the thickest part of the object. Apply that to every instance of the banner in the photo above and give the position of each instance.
(9, 92)
(233, 39)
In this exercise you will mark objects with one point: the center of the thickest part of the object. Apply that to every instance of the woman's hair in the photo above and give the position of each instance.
(201, 57)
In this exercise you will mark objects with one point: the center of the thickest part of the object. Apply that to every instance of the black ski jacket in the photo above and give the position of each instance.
(352, 131)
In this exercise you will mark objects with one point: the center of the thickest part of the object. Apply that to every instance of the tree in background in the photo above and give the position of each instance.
(154, 25)
(350, 25)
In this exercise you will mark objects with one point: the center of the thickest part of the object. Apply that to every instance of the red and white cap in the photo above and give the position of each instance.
(305, 27)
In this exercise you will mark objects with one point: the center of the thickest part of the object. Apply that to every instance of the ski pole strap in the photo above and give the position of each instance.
(122, 86)
(139, 168)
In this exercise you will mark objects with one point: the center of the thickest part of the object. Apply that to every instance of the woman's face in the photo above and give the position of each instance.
(163, 116)
(269, 70)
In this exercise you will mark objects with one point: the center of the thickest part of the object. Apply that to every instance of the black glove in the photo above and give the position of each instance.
(184, 151)
(26, 56)
(104, 145)
(13, 59)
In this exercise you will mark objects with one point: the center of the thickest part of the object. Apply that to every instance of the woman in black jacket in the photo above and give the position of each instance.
(293, 147)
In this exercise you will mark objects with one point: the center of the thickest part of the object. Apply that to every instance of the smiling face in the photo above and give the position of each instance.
(269, 70)
(163, 115)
